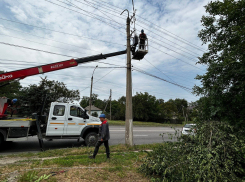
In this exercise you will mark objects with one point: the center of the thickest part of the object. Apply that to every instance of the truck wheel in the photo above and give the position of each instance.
(1, 140)
(91, 139)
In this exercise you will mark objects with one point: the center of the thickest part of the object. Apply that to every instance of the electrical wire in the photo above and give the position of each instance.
(47, 38)
(41, 43)
(59, 31)
(100, 79)
(35, 49)
(9, 61)
(158, 39)
(88, 3)
(151, 23)
(81, 13)
(171, 45)
(146, 73)
(177, 58)
(171, 73)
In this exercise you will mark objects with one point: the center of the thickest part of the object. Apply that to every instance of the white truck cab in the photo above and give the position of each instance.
(65, 121)
(68, 120)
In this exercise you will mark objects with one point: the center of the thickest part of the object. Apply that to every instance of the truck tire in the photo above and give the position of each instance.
(1, 140)
(91, 139)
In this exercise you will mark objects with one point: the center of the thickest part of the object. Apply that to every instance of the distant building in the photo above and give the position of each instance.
(94, 109)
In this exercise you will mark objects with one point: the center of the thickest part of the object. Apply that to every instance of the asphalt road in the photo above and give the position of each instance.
(142, 135)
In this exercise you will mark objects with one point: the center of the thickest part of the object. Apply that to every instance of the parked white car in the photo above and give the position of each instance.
(189, 129)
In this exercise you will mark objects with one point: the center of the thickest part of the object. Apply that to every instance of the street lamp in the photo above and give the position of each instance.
(90, 100)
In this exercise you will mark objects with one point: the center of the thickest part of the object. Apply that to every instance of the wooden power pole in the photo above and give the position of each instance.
(110, 103)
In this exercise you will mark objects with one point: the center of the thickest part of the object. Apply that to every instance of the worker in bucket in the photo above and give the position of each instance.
(104, 136)
(142, 37)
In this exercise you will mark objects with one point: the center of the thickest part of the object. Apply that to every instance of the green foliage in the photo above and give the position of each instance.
(32, 176)
(10, 91)
(145, 107)
(31, 98)
(215, 153)
(223, 86)
(85, 100)
(95, 114)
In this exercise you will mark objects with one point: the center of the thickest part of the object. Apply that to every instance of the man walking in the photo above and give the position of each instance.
(104, 136)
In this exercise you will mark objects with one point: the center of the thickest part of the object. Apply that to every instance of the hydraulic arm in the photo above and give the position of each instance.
(20, 74)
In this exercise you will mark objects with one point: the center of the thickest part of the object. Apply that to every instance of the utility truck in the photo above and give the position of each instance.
(64, 121)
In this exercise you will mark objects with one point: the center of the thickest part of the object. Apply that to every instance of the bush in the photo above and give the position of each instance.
(215, 153)
(95, 114)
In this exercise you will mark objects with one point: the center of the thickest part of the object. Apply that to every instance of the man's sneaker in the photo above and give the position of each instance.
(91, 157)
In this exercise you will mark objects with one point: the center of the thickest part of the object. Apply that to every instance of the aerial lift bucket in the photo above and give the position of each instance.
(141, 51)
(3, 107)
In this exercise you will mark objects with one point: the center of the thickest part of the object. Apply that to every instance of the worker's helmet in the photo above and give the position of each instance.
(142, 31)
(14, 101)
(102, 116)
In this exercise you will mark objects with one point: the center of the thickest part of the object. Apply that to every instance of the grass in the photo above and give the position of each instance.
(141, 123)
(74, 165)
(78, 151)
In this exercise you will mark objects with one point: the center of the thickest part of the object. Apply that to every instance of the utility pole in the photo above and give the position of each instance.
(90, 99)
(110, 103)
(129, 108)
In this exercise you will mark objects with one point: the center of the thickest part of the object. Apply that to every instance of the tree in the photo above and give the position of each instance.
(223, 85)
(85, 100)
(32, 97)
(95, 114)
(10, 91)
(144, 107)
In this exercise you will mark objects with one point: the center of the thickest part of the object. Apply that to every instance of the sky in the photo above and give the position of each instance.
(81, 28)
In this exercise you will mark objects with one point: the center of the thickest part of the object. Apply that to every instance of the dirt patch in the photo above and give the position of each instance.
(5, 161)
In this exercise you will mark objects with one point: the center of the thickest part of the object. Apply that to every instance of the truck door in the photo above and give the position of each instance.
(75, 122)
(56, 120)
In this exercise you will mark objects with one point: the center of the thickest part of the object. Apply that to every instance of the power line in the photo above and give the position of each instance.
(146, 73)
(140, 17)
(174, 50)
(47, 38)
(158, 39)
(58, 31)
(100, 78)
(158, 69)
(89, 3)
(189, 44)
(175, 75)
(41, 43)
(14, 64)
(9, 62)
(184, 83)
(177, 58)
(81, 13)
(63, 48)
(166, 43)
(35, 49)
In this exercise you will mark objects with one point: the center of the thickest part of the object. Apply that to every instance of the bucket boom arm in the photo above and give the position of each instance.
(21, 74)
